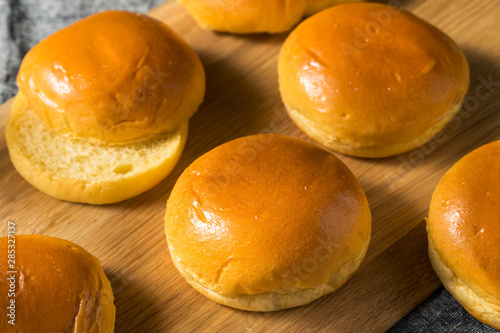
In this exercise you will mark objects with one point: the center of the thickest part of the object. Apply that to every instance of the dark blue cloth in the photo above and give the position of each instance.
(23, 23)
(440, 313)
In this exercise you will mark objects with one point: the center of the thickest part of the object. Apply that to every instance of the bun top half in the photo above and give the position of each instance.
(113, 77)
(59, 287)
(464, 221)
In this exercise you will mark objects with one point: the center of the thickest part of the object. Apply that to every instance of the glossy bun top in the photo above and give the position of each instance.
(113, 77)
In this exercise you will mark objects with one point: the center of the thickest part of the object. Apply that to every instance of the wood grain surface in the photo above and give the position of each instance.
(243, 98)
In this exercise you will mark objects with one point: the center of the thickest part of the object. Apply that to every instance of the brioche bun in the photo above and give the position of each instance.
(370, 80)
(103, 108)
(464, 232)
(76, 170)
(59, 287)
(253, 16)
(113, 77)
(267, 222)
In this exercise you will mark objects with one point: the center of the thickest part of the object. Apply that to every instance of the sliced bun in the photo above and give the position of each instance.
(267, 222)
(75, 170)
(369, 80)
(253, 16)
(103, 108)
(59, 287)
(113, 77)
(464, 232)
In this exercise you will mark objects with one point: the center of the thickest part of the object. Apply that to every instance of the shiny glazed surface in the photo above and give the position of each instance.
(114, 76)
(246, 16)
(254, 16)
(266, 212)
(370, 74)
(464, 220)
(60, 287)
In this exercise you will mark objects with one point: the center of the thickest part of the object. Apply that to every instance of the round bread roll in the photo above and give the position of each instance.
(370, 80)
(464, 232)
(267, 222)
(103, 108)
(253, 16)
(58, 287)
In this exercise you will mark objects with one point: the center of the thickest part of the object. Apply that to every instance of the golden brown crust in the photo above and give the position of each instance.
(254, 16)
(266, 213)
(368, 75)
(113, 77)
(246, 16)
(464, 225)
(60, 287)
(347, 147)
(484, 309)
(281, 298)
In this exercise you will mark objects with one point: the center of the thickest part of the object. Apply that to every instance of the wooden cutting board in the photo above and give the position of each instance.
(242, 99)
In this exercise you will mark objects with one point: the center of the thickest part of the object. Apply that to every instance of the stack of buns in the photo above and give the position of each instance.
(103, 108)
(267, 222)
(253, 16)
(464, 232)
(370, 80)
(56, 285)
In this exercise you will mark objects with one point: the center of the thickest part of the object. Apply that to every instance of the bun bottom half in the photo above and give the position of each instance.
(277, 299)
(485, 310)
(328, 138)
(75, 170)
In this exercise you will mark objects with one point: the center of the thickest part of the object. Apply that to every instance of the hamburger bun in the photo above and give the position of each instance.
(464, 232)
(267, 222)
(253, 16)
(103, 108)
(58, 287)
(370, 80)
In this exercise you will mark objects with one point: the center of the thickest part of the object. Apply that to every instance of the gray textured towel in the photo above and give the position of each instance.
(23, 23)
(440, 313)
